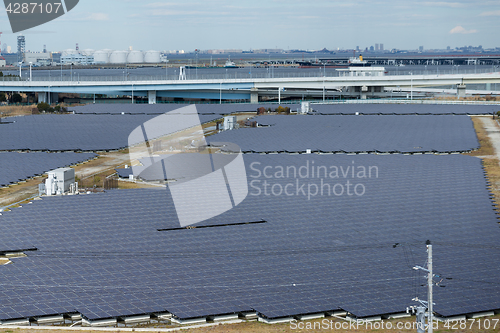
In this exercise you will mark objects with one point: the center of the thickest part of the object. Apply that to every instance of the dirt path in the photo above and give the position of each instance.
(493, 131)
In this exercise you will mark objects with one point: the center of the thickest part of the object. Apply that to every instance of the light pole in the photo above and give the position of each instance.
(30, 70)
(20, 73)
(411, 86)
(196, 69)
(71, 72)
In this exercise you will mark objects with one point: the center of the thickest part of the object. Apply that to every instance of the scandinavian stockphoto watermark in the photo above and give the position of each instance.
(203, 182)
(343, 325)
(310, 179)
(29, 14)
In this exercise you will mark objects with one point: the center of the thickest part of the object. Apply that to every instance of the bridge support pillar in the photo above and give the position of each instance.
(152, 96)
(364, 92)
(43, 97)
(254, 95)
(460, 90)
(48, 97)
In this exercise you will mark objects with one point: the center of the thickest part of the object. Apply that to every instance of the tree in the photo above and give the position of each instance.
(42, 106)
(281, 110)
(261, 110)
(16, 98)
(3, 98)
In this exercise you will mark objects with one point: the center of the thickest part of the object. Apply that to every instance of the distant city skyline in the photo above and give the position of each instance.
(258, 24)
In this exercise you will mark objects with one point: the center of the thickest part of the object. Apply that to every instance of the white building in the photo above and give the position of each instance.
(38, 59)
(77, 59)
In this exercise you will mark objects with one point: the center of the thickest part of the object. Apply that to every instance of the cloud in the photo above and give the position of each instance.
(491, 13)
(161, 4)
(97, 17)
(460, 30)
(445, 4)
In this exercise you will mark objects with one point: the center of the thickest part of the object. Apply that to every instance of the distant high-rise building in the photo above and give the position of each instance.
(21, 48)
(448, 48)
(9, 49)
(371, 48)
(44, 48)
(420, 49)
(4, 48)
(357, 48)
(381, 47)
(377, 47)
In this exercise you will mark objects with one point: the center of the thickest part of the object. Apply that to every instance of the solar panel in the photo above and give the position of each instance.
(101, 254)
(73, 132)
(15, 167)
(403, 109)
(163, 108)
(405, 134)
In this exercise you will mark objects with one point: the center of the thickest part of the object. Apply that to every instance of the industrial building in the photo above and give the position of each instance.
(37, 58)
(77, 59)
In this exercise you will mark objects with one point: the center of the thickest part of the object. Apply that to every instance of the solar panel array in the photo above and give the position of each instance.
(162, 108)
(15, 167)
(354, 134)
(403, 109)
(73, 132)
(101, 254)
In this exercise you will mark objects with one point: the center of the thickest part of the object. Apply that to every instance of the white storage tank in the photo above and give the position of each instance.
(135, 57)
(152, 57)
(108, 51)
(69, 51)
(118, 57)
(88, 52)
(101, 57)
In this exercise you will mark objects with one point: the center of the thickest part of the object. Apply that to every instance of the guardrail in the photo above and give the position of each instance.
(191, 75)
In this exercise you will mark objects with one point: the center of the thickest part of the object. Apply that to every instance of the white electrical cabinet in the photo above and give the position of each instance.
(60, 181)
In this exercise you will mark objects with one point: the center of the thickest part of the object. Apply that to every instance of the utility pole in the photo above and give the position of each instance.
(420, 310)
(429, 283)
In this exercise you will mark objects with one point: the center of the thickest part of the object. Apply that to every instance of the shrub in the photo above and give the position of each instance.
(42, 106)
(16, 98)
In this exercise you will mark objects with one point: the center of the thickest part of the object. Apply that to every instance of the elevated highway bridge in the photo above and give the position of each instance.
(355, 83)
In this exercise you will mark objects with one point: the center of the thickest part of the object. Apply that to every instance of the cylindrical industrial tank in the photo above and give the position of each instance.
(101, 57)
(152, 57)
(88, 52)
(69, 51)
(118, 57)
(135, 57)
(108, 51)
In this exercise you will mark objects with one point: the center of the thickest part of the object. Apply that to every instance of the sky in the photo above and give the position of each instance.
(255, 24)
